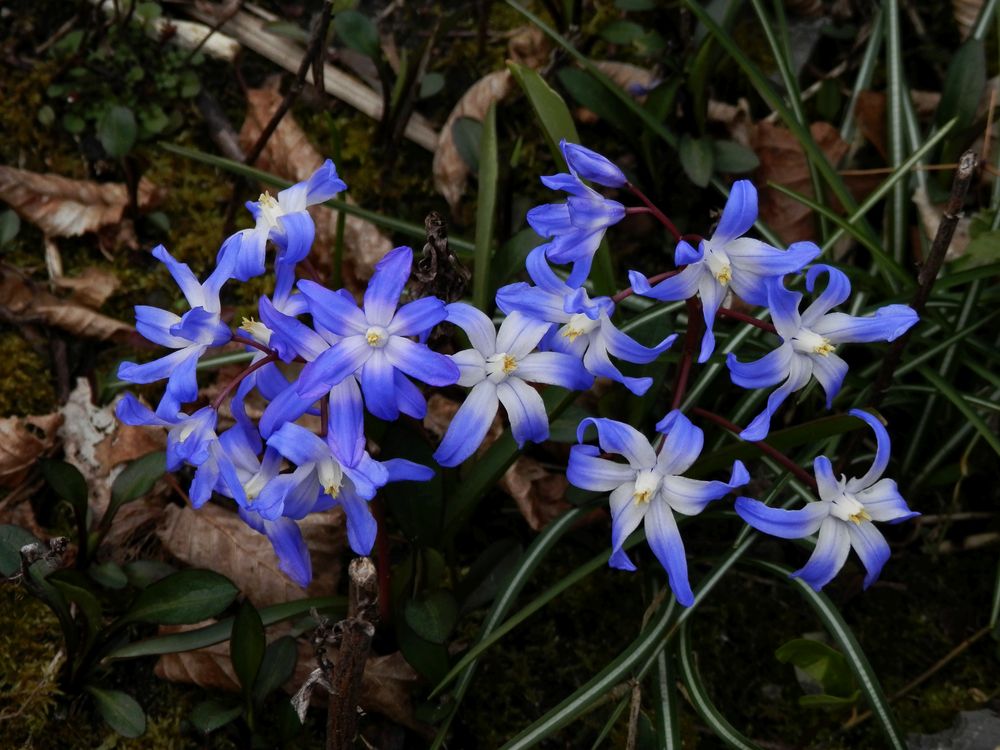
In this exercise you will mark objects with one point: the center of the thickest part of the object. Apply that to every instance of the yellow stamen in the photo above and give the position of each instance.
(509, 364)
(642, 497)
(267, 200)
(725, 275)
(857, 518)
(572, 333)
(372, 338)
(825, 349)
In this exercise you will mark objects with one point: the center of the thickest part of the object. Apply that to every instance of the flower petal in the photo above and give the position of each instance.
(476, 324)
(296, 238)
(299, 445)
(830, 371)
(682, 446)
(826, 482)
(287, 406)
(469, 426)
(409, 397)
(884, 503)
(786, 524)
(542, 274)
(401, 470)
(323, 184)
(150, 372)
(519, 334)
(887, 324)
(739, 213)
(685, 254)
(712, 294)
(784, 307)
(554, 368)
(770, 369)
(346, 429)
(882, 451)
(155, 324)
(828, 558)
(683, 285)
(335, 311)
(361, 526)
(290, 547)
(590, 165)
(596, 361)
(418, 361)
(626, 516)
(665, 540)
(378, 386)
(344, 358)
(838, 289)
(290, 337)
(186, 280)
(588, 471)
(525, 410)
(871, 547)
(620, 438)
(800, 370)
(471, 367)
(623, 346)
(550, 219)
(386, 284)
(417, 317)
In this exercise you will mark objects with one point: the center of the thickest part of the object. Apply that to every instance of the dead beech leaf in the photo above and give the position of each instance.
(23, 440)
(97, 443)
(213, 537)
(22, 302)
(783, 162)
(451, 173)
(634, 79)
(62, 207)
(539, 494)
(291, 155)
(91, 288)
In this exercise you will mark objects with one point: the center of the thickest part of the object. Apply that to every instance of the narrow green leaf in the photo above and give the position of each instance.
(135, 480)
(668, 698)
(964, 84)
(622, 32)
(66, 481)
(120, 710)
(210, 715)
(117, 130)
(851, 649)
(221, 630)
(485, 211)
(467, 133)
(697, 159)
(896, 136)
(76, 592)
(602, 736)
(702, 702)
(962, 405)
(109, 574)
(554, 115)
(588, 92)
(182, 598)
(246, 649)
(277, 667)
(825, 665)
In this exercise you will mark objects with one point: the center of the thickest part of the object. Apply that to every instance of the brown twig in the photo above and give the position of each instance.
(929, 270)
(314, 48)
(690, 343)
(726, 312)
(231, 385)
(222, 20)
(653, 209)
(357, 633)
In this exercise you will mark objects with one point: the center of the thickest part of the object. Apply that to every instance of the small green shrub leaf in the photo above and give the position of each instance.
(247, 645)
(120, 710)
(183, 598)
(210, 715)
(358, 32)
(117, 131)
(697, 158)
(432, 615)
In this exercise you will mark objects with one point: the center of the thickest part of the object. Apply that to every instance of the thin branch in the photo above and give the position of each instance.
(662, 217)
(690, 344)
(231, 385)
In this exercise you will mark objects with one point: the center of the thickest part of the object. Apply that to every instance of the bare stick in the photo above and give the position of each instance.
(357, 630)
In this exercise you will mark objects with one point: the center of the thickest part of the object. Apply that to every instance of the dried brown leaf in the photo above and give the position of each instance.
(783, 162)
(539, 494)
(62, 207)
(627, 76)
(23, 440)
(291, 155)
(930, 219)
(450, 171)
(966, 12)
(91, 288)
(213, 537)
(529, 46)
(22, 302)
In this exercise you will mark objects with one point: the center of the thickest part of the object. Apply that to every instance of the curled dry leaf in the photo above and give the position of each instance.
(450, 170)
(530, 47)
(91, 288)
(23, 440)
(62, 207)
(22, 302)
(539, 493)
(735, 117)
(290, 154)
(782, 161)
(632, 78)
(213, 537)
(98, 444)
(966, 12)
(930, 219)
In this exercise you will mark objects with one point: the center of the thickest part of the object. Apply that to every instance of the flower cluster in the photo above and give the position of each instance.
(372, 357)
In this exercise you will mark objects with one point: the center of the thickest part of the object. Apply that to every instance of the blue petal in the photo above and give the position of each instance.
(186, 280)
(712, 294)
(784, 310)
(150, 372)
(770, 369)
(289, 546)
(409, 398)
(198, 325)
(588, 471)
(225, 264)
(248, 261)
(335, 311)
(418, 317)
(418, 361)
(871, 547)
(838, 289)
(826, 482)
(550, 219)
(299, 445)
(620, 438)
(887, 324)
(300, 492)
(683, 285)
(377, 385)
(287, 406)
(469, 426)
(758, 257)
(155, 325)
(346, 428)
(882, 451)
(830, 371)
(623, 346)
(130, 411)
(386, 284)
(786, 524)
(323, 184)
(290, 337)
(690, 496)
(597, 362)
(626, 516)
(532, 301)
(799, 373)
(665, 540)
(296, 239)
(593, 214)
(526, 411)
(884, 503)
(568, 183)
(581, 270)
(575, 247)
(828, 558)
(541, 272)
(361, 526)
(685, 254)
(739, 214)
(204, 480)
(401, 470)
(520, 333)
(590, 165)
(682, 446)
(339, 361)
(476, 324)
(554, 368)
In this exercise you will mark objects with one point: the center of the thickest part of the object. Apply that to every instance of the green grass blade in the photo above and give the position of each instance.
(485, 211)
(995, 609)
(404, 228)
(949, 392)
(863, 79)
(896, 128)
(982, 25)
(855, 655)
(610, 723)
(701, 701)
(666, 705)
(533, 557)
(550, 108)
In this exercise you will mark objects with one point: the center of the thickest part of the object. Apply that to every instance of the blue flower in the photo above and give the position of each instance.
(585, 328)
(843, 516)
(649, 489)
(285, 221)
(199, 328)
(498, 369)
(809, 343)
(727, 261)
(577, 226)
(375, 342)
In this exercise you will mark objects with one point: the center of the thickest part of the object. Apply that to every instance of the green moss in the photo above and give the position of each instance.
(22, 388)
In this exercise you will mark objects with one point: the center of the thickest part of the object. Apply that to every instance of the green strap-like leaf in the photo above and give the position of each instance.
(963, 406)
(485, 210)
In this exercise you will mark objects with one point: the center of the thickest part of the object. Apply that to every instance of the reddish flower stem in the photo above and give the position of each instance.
(255, 344)
(661, 217)
(324, 416)
(687, 357)
(770, 450)
(217, 401)
(727, 312)
(628, 292)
